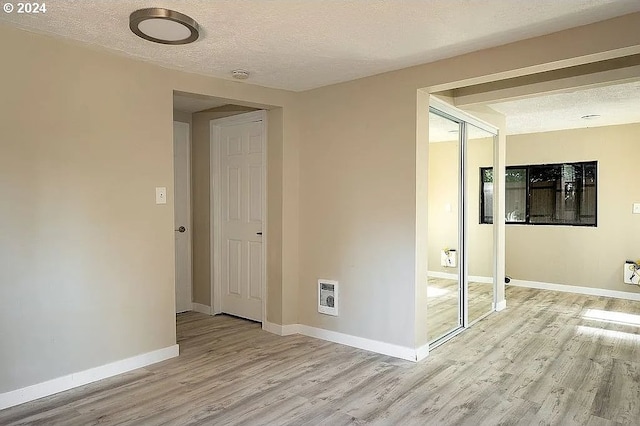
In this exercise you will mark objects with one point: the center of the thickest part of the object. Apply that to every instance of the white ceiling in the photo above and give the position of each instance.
(616, 104)
(303, 44)
(191, 104)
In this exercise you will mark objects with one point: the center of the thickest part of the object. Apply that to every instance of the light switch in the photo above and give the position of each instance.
(161, 195)
(636, 208)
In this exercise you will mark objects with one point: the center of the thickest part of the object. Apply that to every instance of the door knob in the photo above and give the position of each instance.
(258, 233)
(181, 229)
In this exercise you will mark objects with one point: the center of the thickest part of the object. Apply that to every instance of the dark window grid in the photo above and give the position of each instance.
(583, 175)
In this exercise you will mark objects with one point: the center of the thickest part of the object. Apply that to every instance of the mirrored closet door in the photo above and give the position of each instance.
(479, 222)
(461, 254)
(444, 307)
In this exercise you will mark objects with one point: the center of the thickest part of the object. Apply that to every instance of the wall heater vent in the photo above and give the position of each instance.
(631, 272)
(328, 297)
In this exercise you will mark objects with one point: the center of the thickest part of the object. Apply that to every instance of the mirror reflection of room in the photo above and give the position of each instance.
(443, 291)
(480, 234)
(450, 304)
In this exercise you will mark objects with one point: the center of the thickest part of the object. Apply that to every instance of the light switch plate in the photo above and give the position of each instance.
(636, 208)
(161, 195)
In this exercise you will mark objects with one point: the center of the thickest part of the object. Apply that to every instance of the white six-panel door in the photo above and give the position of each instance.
(241, 195)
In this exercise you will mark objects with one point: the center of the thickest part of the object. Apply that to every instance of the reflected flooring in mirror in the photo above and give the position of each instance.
(442, 304)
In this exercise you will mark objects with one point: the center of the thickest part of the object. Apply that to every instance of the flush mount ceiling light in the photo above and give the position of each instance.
(590, 116)
(163, 26)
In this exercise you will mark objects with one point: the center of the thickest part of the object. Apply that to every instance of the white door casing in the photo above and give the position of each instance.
(238, 161)
(182, 215)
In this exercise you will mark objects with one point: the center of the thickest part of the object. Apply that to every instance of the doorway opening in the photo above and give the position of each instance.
(205, 194)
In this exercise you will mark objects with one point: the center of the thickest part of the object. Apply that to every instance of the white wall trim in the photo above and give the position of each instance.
(203, 309)
(479, 279)
(347, 339)
(422, 352)
(290, 329)
(501, 305)
(280, 330)
(384, 348)
(272, 328)
(376, 346)
(452, 276)
(50, 387)
(443, 275)
(576, 289)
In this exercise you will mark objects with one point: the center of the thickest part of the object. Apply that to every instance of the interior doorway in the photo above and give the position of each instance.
(182, 215)
(462, 255)
(238, 196)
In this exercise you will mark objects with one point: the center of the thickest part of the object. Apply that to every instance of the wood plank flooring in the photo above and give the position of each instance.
(550, 358)
(442, 304)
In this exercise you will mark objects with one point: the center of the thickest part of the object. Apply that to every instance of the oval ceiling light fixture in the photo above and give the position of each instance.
(163, 26)
(590, 116)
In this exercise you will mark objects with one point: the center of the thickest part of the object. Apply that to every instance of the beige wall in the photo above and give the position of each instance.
(86, 256)
(443, 190)
(183, 117)
(443, 202)
(581, 256)
(357, 208)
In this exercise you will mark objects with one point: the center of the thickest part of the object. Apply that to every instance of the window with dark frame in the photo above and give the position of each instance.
(545, 194)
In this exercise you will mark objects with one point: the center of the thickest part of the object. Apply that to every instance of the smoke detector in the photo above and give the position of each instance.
(240, 74)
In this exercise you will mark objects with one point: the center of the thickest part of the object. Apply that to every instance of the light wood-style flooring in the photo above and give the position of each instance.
(442, 304)
(549, 358)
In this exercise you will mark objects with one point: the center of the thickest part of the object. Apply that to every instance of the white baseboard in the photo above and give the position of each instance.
(452, 276)
(50, 387)
(280, 330)
(422, 352)
(576, 289)
(479, 279)
(203, 309)
(290, 329)
(359, 342)
(376, 346)
(272, 328)
(501, 305)
(443, 275)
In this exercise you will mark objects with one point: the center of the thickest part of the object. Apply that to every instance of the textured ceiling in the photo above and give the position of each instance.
(616, 104)
(302, 44)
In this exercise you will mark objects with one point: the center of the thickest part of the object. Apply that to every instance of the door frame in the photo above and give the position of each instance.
(215, 206)
(189, 214)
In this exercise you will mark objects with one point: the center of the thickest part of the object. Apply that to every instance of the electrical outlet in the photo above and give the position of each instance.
(636, 208)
